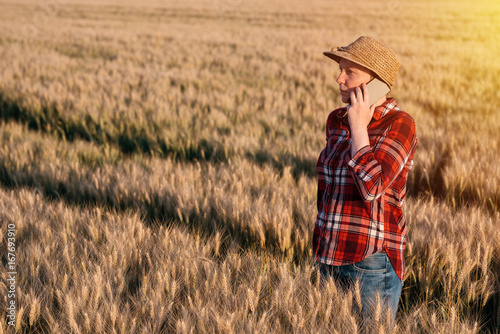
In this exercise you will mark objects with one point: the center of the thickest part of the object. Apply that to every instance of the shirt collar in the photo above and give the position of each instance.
(384, 108)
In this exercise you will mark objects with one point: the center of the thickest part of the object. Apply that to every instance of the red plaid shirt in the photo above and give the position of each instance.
(360, 198)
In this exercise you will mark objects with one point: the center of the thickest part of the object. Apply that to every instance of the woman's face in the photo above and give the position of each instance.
(351, 76)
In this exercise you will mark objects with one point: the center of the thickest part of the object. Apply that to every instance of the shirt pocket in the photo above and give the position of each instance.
(336, 142)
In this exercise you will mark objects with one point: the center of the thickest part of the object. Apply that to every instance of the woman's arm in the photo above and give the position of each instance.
(375, 168)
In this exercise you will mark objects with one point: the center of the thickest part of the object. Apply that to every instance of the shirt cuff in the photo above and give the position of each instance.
(356, 159)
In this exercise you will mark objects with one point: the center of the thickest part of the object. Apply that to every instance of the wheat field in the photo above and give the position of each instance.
(158, 163)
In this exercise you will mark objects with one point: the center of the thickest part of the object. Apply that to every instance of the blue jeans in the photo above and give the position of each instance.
(375, 275)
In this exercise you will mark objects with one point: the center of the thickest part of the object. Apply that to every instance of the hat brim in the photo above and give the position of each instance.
(333, 55)
(338, 55)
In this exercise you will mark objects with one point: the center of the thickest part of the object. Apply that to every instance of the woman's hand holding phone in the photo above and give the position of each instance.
(360, 112)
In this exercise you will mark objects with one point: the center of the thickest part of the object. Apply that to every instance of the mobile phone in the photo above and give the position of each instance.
(376, 89)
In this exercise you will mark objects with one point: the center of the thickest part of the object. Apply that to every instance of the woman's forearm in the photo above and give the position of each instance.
(359, 139)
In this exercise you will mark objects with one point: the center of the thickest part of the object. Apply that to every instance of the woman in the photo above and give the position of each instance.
(360, 231)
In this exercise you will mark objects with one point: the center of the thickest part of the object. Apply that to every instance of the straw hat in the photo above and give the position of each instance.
(370, 53)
